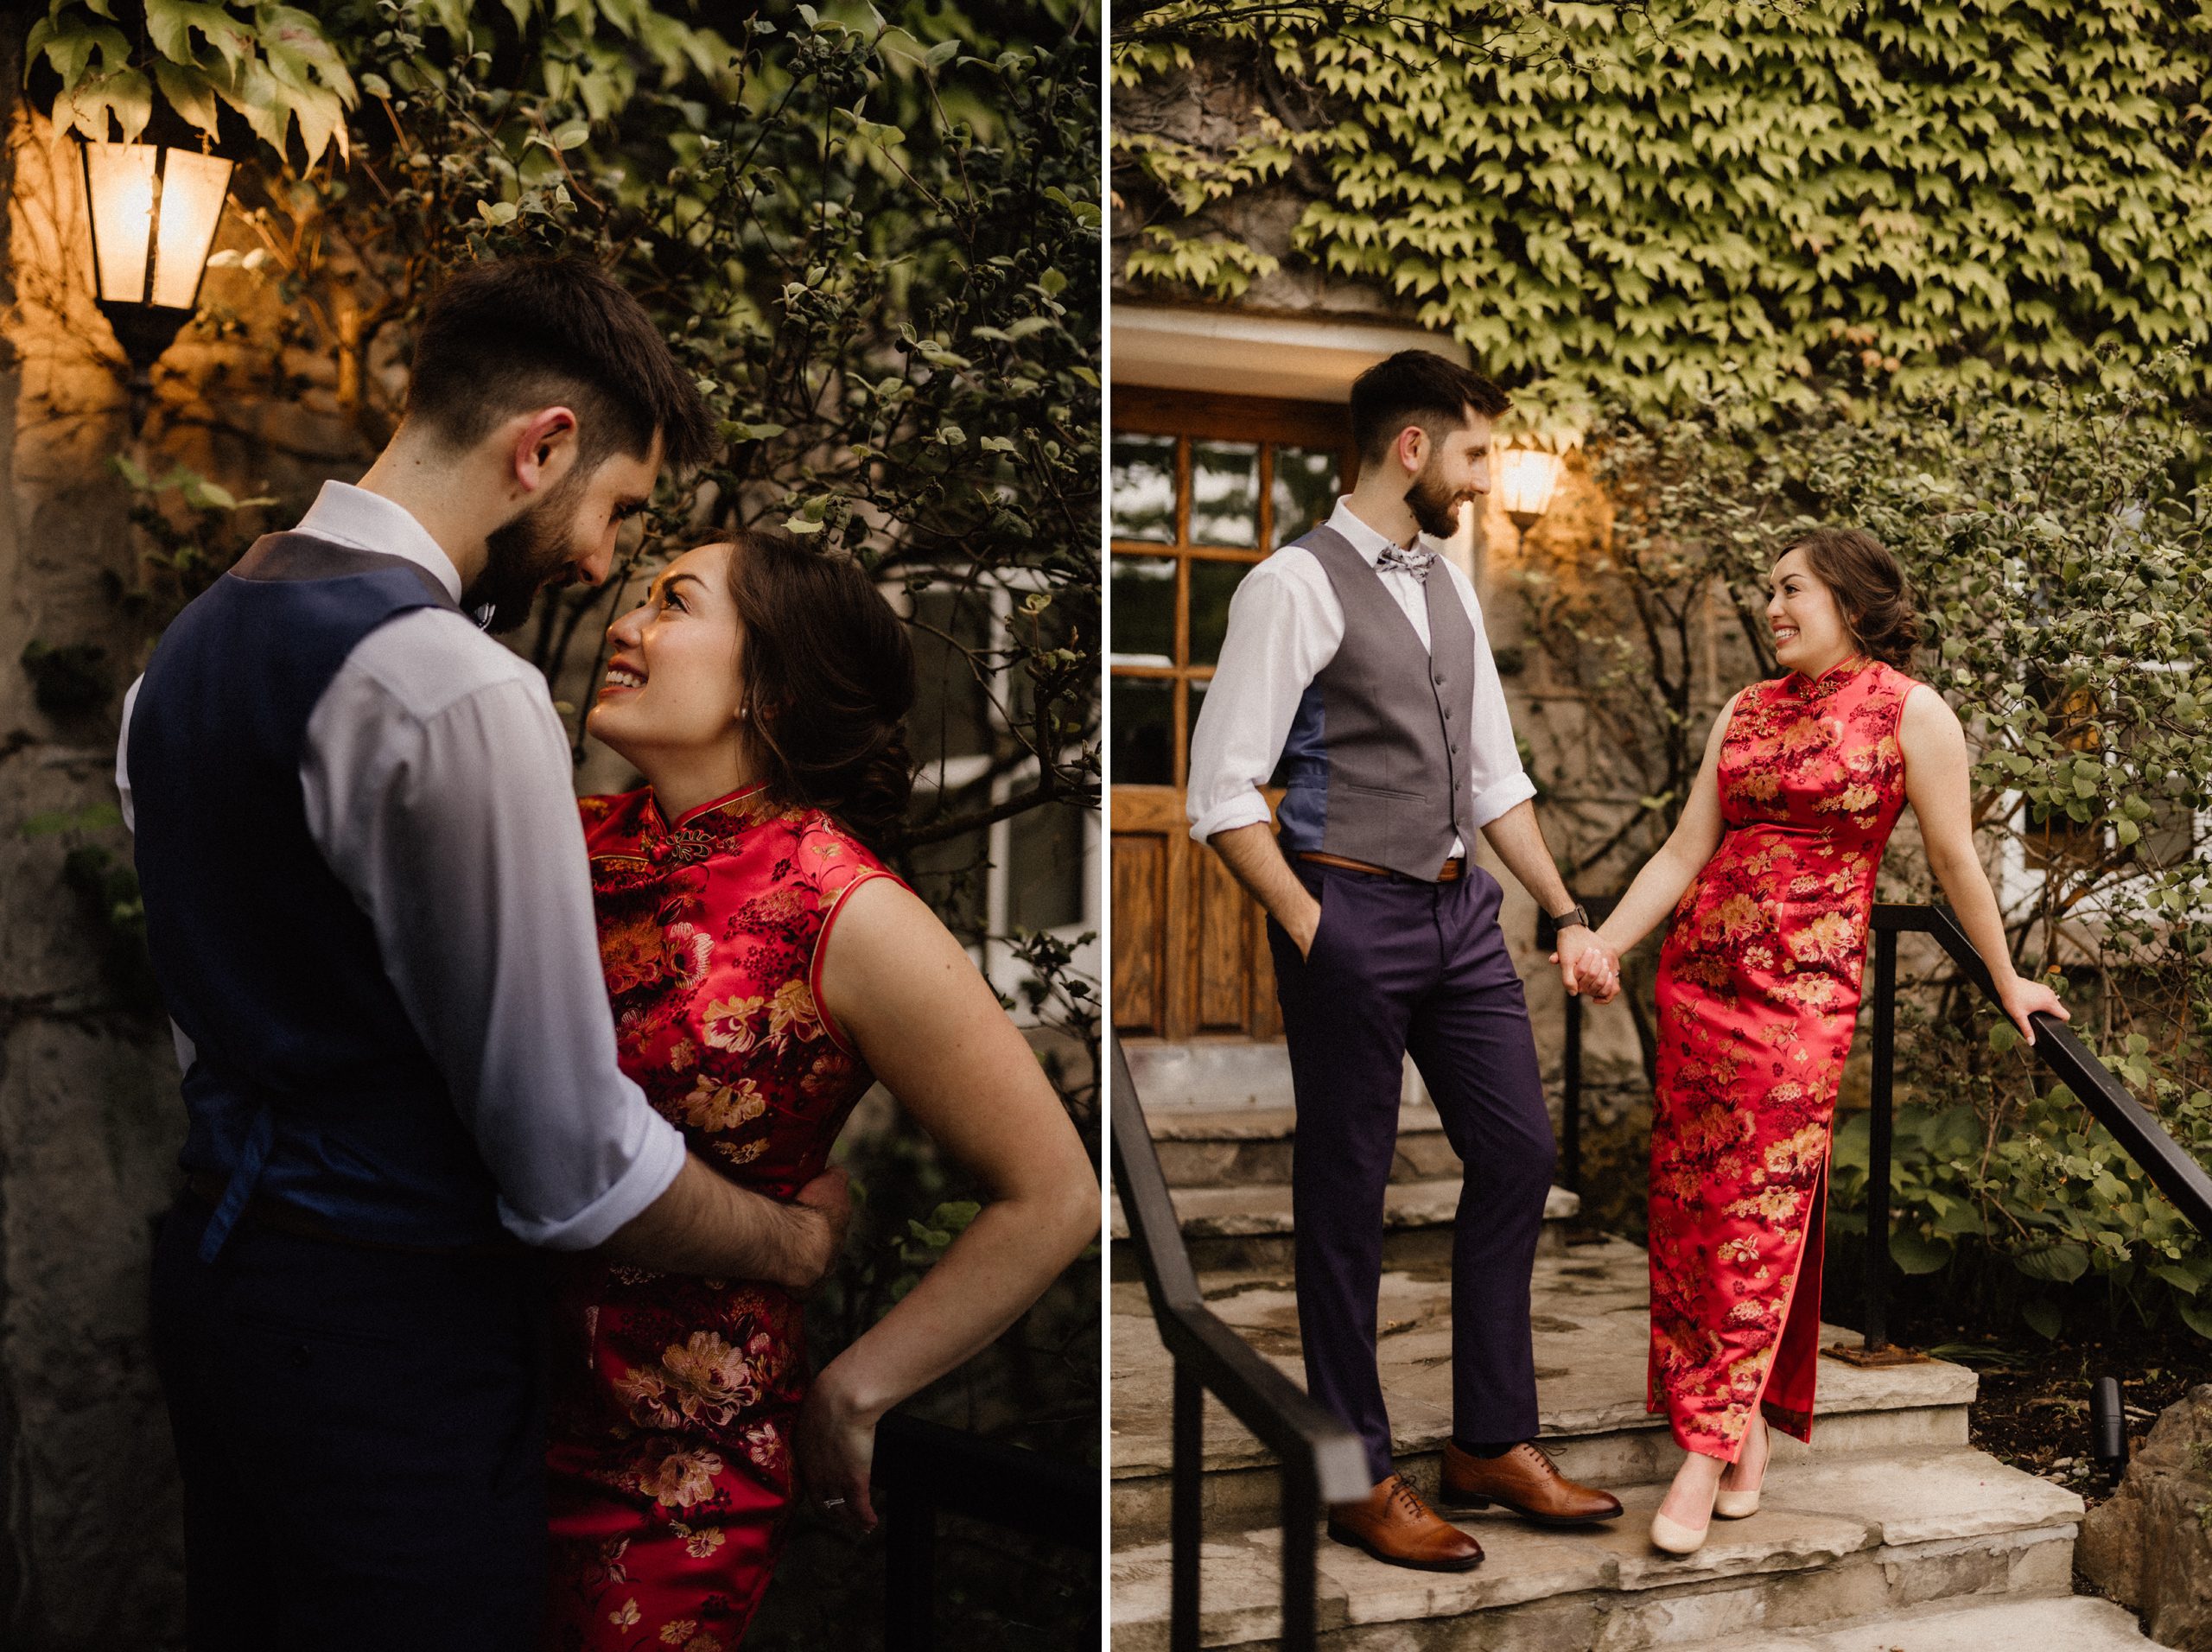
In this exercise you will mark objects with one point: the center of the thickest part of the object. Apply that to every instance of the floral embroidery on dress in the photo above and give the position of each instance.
(671, 1421)
(1759, 991)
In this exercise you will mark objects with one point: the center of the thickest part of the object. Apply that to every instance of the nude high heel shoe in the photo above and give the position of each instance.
(1734, 1505)
(1677, 1539)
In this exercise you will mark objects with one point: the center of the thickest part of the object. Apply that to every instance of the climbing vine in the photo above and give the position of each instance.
(1704, 196)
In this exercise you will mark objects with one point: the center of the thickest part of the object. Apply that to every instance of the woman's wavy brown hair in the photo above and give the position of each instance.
(826, 675)
(1871, 591)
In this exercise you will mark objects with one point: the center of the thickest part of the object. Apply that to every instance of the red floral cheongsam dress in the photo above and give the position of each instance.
(674, 1397)
(1758, 990)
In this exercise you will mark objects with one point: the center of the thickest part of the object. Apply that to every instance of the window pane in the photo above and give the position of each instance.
(1144, 611)
(1143, 752)
(1304, 490)
(1144, 488)
(1044, 867)
(951, 716)
(1225, 494)
(1211, 582)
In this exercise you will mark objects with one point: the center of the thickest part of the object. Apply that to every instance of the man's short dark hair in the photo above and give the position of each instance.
(1416, 387)
(506, 337)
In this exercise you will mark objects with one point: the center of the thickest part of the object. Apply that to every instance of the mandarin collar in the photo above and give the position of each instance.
(736, 809)
(1838, 675)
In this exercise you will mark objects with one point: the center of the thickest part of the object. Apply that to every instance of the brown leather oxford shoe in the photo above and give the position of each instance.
(1525, 1480)
(1393, 1524)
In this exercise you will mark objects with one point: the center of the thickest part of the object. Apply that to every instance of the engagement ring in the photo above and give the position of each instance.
(833, 1502)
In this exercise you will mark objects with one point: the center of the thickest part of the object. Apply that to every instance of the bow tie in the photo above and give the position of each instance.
(1399, 559)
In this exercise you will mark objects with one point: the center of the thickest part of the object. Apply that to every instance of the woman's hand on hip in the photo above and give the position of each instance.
(2023, 998)
(833, 1449)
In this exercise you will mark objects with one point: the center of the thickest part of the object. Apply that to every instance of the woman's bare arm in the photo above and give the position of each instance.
(1681, 857)
(928, 1026)
(1937, 778)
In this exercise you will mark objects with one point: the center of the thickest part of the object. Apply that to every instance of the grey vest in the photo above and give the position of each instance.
(1377, 762)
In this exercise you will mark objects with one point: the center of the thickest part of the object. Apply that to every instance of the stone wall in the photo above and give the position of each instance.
(90, 1117)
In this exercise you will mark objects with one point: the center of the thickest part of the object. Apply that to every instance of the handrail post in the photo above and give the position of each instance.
(1188, 1464)
(1301, 1511)
(910, 1571)
(1878, 1145)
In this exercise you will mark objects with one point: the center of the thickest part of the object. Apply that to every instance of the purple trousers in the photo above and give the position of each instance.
(1399, 967)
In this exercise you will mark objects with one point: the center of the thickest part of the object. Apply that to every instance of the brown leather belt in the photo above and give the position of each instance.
(1453, 868)
(280, 1217)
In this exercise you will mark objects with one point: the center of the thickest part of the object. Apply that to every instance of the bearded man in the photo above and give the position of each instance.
(368, 908)
(1355, 658)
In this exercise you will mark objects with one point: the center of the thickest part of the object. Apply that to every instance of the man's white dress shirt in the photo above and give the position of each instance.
(437, 781)
(1285, 625)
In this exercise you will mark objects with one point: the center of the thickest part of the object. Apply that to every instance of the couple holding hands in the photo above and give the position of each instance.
(479, 1318)
(1355, 670)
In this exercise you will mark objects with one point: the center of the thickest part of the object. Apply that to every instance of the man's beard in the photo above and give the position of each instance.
(1435, 507)
(522, 555)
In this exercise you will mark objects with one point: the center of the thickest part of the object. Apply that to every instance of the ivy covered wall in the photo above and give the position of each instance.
(1664, 202)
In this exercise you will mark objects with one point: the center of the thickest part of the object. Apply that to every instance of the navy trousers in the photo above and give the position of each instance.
(362, 1437)
(1399, 967)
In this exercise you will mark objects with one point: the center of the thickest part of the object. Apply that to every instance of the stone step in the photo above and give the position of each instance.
(1249, 1228)
(1839, 1540)
(1238, 1146)
(1589, 1307)
(1230, 1073)
(2080, 1623)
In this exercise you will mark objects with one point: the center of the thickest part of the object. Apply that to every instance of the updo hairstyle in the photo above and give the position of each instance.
(1871, 591)
(827, 675)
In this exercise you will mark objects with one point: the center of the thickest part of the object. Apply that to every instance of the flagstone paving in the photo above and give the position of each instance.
(1887, 1533)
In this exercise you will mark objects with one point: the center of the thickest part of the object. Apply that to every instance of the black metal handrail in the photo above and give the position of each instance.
(2133, 1125)
(1321, 1459)
(931, 1470)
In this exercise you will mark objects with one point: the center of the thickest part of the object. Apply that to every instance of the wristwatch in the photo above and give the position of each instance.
(1571, 917)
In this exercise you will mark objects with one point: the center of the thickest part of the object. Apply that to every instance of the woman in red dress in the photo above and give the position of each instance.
(765, 968)
(1770, 878)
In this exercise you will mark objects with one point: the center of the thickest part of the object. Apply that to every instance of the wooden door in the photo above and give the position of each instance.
(1190, 946)
(1204, 488)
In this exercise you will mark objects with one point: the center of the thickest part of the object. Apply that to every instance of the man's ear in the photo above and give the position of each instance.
(545, 448)
(1411, 448)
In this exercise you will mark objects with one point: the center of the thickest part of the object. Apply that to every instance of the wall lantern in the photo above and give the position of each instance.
(154, 214)
(1526, 477)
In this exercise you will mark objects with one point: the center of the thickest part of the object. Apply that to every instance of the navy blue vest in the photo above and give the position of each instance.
(310, 1084)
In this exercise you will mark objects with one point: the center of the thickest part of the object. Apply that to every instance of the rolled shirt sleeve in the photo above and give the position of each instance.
(441, 799)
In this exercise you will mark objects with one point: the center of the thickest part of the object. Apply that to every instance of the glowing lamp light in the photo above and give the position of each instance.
(1526, 478)
(154, 215)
